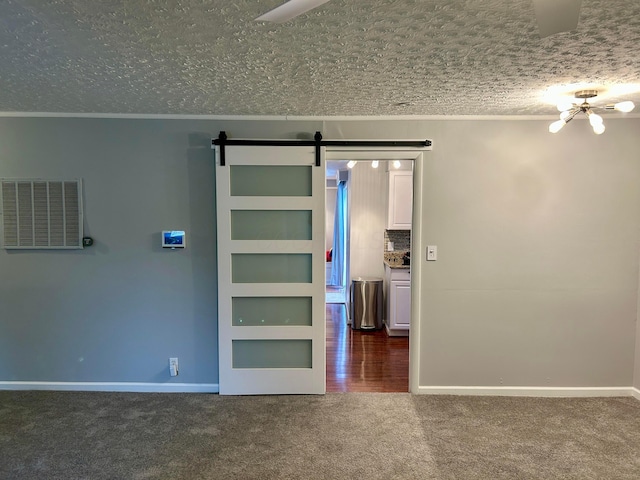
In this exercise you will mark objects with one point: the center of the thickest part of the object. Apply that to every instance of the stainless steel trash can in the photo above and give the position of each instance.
(366, 303)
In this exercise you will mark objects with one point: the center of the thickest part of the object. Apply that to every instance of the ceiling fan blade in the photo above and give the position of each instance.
(289, 10)
(555, 16)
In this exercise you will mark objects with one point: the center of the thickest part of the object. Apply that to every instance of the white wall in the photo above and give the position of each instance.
(368, 215)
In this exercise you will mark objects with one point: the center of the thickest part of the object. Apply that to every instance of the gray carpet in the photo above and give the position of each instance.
(58, 435)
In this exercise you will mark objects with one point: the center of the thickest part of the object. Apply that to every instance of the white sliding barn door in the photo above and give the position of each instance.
(271, 269)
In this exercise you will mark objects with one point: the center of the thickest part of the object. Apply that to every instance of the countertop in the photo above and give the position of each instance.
(395, 265)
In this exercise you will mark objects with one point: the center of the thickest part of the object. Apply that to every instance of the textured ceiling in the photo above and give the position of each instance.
(347, 57)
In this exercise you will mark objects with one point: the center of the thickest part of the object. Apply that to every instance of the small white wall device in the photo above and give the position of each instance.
(173, 239)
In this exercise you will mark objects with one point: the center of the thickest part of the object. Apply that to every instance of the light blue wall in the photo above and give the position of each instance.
(536, 281)
(117, 311)
(538, 238)
(539, 266)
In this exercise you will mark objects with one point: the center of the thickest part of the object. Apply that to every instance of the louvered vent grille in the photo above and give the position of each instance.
(41, 214)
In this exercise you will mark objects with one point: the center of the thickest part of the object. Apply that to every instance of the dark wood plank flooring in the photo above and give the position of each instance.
(364, 361)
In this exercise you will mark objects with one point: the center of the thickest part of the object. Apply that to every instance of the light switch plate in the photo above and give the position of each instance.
(432, 253)
(173, 366)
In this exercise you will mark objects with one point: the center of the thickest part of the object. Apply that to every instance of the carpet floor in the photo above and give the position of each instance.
(71, 435)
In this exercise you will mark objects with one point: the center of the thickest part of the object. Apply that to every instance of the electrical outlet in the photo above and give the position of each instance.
(173, 366)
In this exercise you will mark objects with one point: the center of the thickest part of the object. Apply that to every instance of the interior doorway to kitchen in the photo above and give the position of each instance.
(360, 243)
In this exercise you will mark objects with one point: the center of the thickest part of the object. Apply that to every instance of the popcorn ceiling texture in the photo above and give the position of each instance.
(453, 57)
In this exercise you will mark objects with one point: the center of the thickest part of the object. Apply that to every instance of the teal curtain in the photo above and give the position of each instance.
(338, 270)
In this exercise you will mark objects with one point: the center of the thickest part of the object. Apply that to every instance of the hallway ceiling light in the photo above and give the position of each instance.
(396, 164)
(375, 164)
(570, 109)
(351, 163)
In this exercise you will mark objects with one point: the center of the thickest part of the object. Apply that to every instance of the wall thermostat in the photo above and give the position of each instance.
(173, 239)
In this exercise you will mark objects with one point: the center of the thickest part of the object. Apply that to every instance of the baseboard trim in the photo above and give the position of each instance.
(113, 387)
(137, 387)
(533, 391)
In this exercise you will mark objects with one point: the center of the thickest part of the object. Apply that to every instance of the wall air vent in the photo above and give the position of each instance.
(41, 214)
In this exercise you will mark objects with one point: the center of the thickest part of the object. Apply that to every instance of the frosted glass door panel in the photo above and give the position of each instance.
(271, 268)
(272, 354)
(270, 225)
(270, 181)
(271, 311)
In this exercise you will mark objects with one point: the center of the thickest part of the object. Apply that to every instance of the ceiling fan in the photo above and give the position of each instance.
(553, 16)
(289, 10)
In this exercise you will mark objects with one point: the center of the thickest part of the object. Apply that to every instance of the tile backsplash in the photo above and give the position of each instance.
(401, 240)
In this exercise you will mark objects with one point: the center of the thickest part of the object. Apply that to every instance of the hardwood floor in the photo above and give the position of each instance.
(364, 361)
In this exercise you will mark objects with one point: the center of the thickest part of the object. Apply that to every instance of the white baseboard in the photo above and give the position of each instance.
(533, 391)
(214, 388)
(113, 387)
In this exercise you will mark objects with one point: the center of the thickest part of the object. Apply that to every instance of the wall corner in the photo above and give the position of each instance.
(636, 369)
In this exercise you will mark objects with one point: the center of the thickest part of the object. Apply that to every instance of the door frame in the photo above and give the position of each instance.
(417, 156)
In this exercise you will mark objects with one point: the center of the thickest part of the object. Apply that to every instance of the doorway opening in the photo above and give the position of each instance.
(365, 239)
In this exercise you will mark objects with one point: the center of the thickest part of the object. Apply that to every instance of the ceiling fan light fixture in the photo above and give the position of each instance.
(566, 114)
(625, 107)
(594, 118)
(556, 126)
(565, 104)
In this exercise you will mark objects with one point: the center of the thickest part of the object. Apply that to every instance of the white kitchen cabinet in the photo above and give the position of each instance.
(400, 304)
(400, 200)
(398, 308)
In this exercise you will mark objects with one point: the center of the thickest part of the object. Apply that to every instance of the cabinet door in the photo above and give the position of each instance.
(400, 200)
(400, 303)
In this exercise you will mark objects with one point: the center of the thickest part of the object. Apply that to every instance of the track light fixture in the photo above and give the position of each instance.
(570, 109)
(374, 163)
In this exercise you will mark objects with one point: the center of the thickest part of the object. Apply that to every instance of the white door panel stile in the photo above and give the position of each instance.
(271, 380)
